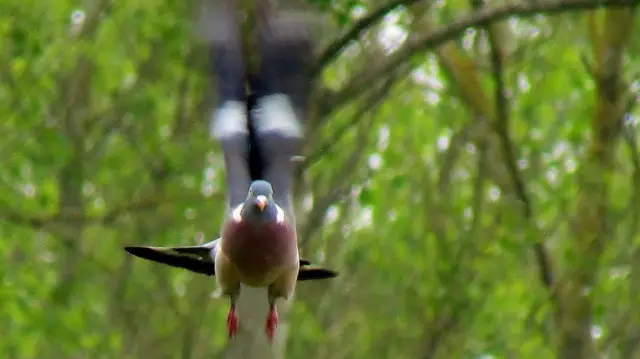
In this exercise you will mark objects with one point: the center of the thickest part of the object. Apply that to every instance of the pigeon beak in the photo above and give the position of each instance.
(261, 202)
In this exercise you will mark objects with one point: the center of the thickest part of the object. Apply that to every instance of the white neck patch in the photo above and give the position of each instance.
(235, 214)
(280, 215)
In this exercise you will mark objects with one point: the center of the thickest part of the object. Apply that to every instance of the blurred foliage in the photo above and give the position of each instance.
(407, 189)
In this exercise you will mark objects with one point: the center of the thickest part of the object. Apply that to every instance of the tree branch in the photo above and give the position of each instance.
(107, 218)
(502, 129)
(334, 50)
(372, 102)
(451, 156)
(337, 188)
(362, 80)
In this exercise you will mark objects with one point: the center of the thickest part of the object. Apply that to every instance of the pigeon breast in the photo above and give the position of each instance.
(260, 251)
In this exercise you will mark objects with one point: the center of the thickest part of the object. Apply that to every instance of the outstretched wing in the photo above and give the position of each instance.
(198, 259)
(308, 272)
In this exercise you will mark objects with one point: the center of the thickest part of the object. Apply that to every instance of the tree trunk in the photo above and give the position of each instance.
(592, 212)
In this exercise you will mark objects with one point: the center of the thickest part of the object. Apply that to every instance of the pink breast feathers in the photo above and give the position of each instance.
(259, 248)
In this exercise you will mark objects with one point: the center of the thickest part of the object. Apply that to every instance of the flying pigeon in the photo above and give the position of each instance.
(258, 248)
(260, 122)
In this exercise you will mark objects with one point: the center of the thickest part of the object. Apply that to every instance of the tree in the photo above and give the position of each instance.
(491, 211)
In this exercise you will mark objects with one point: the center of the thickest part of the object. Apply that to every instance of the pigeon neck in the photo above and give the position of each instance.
(253, 213)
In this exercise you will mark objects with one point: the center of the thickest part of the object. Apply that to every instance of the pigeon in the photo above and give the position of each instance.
(200, 259)
(258, 247)
(259, 121)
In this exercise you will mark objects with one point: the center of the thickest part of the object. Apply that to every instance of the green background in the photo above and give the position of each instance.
(480, 196)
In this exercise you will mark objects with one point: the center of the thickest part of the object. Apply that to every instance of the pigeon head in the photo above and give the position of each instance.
(259, 204)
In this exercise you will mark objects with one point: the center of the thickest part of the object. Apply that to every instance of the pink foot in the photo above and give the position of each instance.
(272, 322)
(232, 322)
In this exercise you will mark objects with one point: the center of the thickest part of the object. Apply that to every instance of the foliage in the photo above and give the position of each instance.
(407, 188)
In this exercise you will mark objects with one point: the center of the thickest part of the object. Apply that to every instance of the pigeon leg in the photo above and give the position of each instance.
(283, 287)
(272, 321)
(232, 319)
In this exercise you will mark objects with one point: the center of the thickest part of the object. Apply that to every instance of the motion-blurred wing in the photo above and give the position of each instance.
(196, 259)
